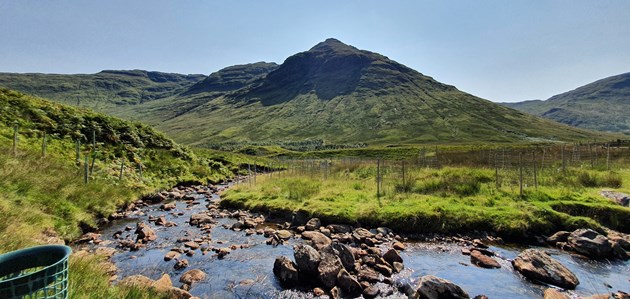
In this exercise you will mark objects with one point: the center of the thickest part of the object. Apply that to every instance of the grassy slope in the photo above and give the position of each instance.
(46, 197)
(106, 91)
(601, 105)
(450, 200)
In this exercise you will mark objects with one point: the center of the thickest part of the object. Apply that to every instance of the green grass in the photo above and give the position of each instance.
(449, 200)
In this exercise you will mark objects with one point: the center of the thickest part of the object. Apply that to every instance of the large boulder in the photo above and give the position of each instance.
(432, 287)
(307, 259)
(145, 233)
(537, 265)
(313, 224)
(319, 240)
(328, 269)
(286, 271)
(348, 284)
(590, 243)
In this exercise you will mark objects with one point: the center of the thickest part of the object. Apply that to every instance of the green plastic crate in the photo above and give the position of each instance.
(36, 272)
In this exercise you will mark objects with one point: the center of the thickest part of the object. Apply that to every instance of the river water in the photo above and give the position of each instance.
(247, 272)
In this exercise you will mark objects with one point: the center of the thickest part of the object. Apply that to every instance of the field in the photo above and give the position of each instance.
(517, 192)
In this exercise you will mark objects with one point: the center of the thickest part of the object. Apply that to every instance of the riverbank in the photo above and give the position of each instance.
(451, 200)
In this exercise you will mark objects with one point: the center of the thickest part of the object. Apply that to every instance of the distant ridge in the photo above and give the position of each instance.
(602, 105)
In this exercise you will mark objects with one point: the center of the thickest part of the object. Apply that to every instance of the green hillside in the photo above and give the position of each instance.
(333, 92)
(602, 105)
(103, 91)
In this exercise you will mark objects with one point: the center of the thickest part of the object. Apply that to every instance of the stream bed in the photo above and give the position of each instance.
(246, 272)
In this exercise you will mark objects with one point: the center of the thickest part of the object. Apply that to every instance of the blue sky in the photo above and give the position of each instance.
(499, 50)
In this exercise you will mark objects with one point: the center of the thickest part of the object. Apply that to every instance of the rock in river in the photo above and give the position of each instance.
(319, 240)
(191, 276)
(328, 269)
(537, 265)
(348, 284)
(145, 233)
(432, 287)
(590, 243)
(286, 271)
(482, 260)
(306, 258)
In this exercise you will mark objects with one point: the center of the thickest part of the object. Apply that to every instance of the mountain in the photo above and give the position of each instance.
(602, 105)
(341, 94)
(103, 90)
(336, 93)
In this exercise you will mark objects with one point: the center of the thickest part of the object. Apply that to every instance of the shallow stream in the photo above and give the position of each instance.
(247, 272)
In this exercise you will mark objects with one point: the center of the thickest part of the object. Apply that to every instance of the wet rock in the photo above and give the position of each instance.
(361, 234)
(325, 231)
(192, 245)
(105, 251)
(537, 265)
(307, 259)
(89, 237)
(482, 260)
(319, 240)
(335, 293)
(399, 246)
(249, 223)
(284, 234)
(191, 276)
(384, 231)
(369, 275)
(345, 255)
(621, 295)
(168, 206)
(318, 292)
(481, 297)
(313, 224)
(383, 269)
(619, 252)
(348, 284)
(223, 252)
(560, 236)
(181, 264)
(371, 292)
(432, 287)
(328, 268)
(201, 218)
(145, 233)
(397, 267)
(339, 228)
(392, 256)
(286, 272)
(171, 255)
(590, 243)
(551, 293)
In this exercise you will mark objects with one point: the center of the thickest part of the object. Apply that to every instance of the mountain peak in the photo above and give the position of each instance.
(335, 46)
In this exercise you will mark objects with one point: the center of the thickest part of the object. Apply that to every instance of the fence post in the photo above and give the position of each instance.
(44, 145)
(85, 170)
(590, 154)
(564, 162)
(140, 169)
(78, 151)
(15, 140)
(535, 170)
(378, 178)
(608, 156)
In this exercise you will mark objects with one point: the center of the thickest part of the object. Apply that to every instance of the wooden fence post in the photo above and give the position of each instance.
(44, 145)
(15, 140)
(535, 170)
(85, 170)
(78, 151)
